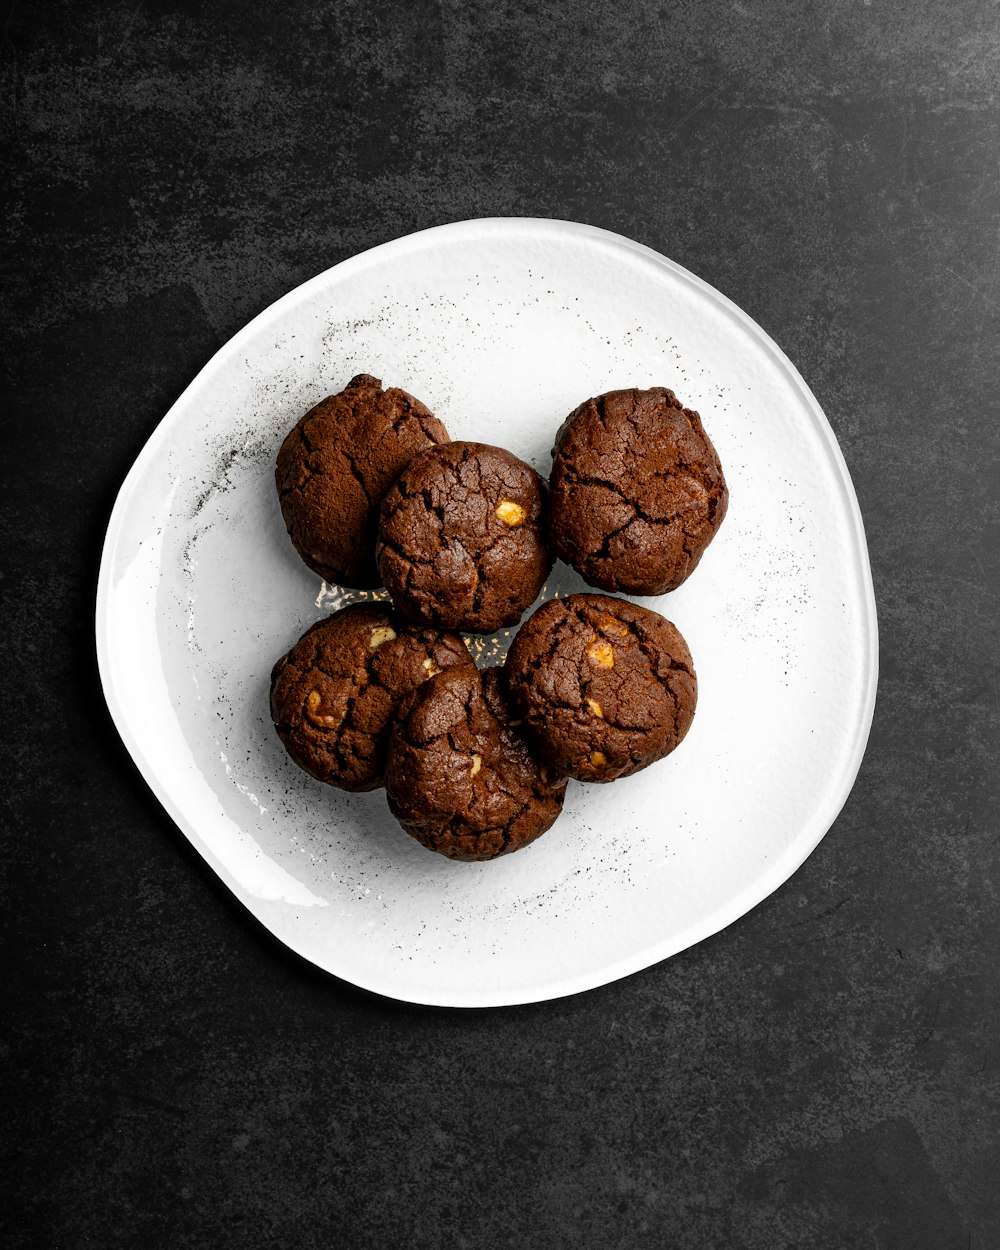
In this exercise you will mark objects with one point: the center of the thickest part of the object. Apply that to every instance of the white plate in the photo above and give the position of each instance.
(501, 327)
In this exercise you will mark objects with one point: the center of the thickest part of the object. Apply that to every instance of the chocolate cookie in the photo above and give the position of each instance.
(459, 779)
(637, 491)
(460, 540)
(603, 686)
(335, 692)
(335, 465)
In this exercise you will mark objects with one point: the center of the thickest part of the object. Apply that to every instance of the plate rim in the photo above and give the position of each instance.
(741, 904)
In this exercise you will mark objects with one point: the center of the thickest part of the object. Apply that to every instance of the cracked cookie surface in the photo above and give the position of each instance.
(636, 491)
(335, 465)
(333, 695)
(461, 542)
(604, 687)
(459, 778)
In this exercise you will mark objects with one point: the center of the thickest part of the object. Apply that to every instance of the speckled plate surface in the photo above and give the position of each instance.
(501, 327)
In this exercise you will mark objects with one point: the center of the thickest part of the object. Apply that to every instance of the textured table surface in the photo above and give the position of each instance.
(822, 1074)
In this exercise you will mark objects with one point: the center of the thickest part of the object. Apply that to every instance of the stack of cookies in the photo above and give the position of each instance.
(463, 536)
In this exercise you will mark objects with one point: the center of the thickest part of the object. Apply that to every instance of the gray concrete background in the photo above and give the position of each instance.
(822, 1074)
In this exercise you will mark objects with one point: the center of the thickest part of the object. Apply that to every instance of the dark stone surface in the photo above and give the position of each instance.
(824, 1073)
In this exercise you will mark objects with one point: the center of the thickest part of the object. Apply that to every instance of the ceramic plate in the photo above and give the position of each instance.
(501, 327)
